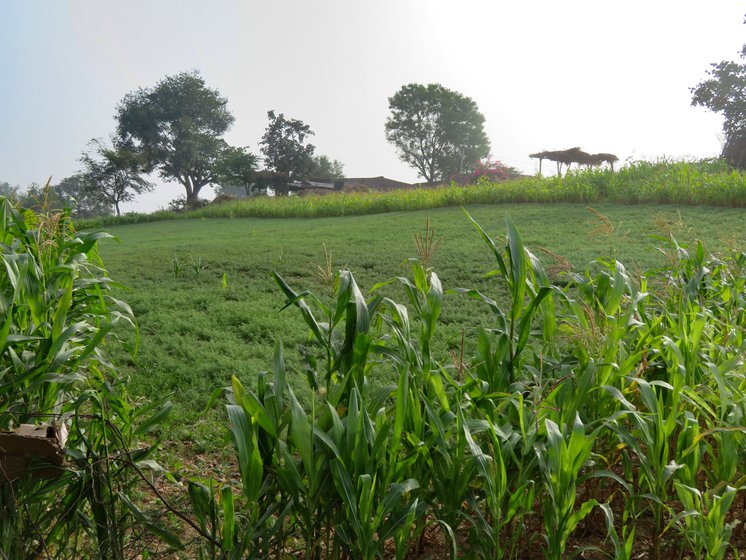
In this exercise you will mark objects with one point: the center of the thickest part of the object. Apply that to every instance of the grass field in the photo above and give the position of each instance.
(208, 308)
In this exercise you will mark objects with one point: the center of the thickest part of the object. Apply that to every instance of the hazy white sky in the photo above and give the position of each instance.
(546, 74)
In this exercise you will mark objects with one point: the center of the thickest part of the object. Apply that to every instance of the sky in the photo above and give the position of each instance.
(546, 74)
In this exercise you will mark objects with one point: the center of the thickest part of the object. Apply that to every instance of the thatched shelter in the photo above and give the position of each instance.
(574, 155)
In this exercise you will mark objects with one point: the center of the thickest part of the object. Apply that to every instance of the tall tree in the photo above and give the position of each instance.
(326, 168)
(176, 127)
(41, 198)
(725, 92)
(9, 191)
(76, 194)
(112, 173)
(237, 168)
(285, 146)
(437, 131)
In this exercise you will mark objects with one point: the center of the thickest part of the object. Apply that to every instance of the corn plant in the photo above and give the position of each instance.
(605, 321)
(344, 354)
(529, 291)
(57, 308)
(703, 521)
(57, 311)
(375, 506)
(497, 505)
(561, 463)
(451, 467)
(641, 182)
(649, 444)
(622, 543)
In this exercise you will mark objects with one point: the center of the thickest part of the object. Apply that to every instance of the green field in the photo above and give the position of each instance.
(196, 332)
(510, 391)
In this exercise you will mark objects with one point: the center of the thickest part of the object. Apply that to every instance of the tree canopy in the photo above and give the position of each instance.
(70, 193)
(326, 168)
(237, 168)
(437, 131)
(112, 174)
(75, 193)
(285, 147)
(42, 198)
(725, 92)
(176, 127)
(11, 192)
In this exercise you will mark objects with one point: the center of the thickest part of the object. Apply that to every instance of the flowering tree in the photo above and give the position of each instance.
(492, 170)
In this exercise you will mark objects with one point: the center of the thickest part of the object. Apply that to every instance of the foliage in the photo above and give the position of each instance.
(198, 335)
(176, 127)
(76, 194)
(437, 131)
(237, 167)
(688, 183)
(57, 313)
(285, 148)
(179, 205)
(9, 191)
(38, 198)
(71, 193)
(725, 92)
(325, 168)
(112, 174)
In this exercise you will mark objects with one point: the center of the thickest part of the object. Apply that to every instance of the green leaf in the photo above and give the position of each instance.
(491, 244)
(167, 536)
(249, 459)
(518, 268)
(301, 432)
(577, 516)
(151, 422)
(229, 521)
(256, 410)
(524, 327)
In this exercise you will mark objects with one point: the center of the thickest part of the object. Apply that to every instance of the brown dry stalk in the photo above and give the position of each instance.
(605, 227)
(561, 263)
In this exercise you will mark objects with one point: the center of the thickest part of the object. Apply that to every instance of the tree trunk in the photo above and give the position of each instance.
(192, 200)
(192, 190)
(116, 206)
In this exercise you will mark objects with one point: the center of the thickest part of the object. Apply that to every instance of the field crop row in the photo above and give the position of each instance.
(706, 182)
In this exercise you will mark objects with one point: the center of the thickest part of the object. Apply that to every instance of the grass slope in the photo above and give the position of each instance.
(196, 333)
